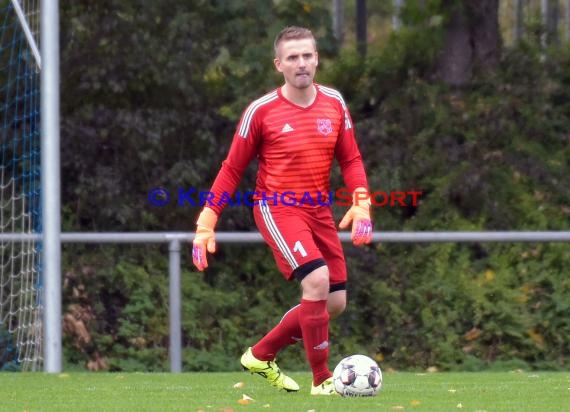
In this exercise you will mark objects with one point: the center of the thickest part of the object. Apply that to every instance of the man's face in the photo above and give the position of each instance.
(297, 60)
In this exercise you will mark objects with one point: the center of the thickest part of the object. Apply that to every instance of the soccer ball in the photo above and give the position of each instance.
(357, 375)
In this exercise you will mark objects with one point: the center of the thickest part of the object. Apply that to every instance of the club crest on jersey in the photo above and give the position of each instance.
(324, 126)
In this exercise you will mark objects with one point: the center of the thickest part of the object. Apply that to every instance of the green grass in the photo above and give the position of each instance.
(491, 392)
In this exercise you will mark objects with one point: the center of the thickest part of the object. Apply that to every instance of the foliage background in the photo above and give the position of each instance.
(151, 93)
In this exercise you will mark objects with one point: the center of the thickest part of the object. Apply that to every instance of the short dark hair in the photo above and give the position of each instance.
(293, 33)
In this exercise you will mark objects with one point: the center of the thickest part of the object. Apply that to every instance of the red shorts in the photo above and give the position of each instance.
(301, 239)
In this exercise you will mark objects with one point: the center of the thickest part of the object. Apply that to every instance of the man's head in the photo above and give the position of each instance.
(293, 33)
(296, 56)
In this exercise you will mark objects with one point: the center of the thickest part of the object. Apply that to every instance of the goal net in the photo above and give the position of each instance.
(20, 212)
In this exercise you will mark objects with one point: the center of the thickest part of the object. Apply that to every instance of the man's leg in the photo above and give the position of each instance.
(314, 321)
(288, 330)
(336, 303)
(284, 229)
(260, 358)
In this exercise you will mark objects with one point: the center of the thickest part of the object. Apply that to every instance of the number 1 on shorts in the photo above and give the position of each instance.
(299, 248)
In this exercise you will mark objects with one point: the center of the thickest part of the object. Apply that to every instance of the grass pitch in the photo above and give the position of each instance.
(193, 392)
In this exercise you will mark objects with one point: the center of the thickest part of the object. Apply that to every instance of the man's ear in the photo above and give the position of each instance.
(277, 64)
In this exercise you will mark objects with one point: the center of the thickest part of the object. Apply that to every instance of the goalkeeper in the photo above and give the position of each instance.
(296, 131)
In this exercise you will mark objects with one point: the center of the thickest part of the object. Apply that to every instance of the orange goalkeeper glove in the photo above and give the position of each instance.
(204, 240)
(359, 215)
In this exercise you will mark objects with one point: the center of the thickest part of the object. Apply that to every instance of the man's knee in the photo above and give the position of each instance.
(315, 284)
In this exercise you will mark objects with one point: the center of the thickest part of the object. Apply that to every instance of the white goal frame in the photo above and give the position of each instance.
(50, 184)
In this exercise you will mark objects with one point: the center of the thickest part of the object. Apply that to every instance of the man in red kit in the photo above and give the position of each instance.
(295, 132)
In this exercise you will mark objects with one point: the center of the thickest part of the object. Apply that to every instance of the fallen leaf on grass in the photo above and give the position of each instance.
(459, 405)
(398, 407)
(239, 385)
(245, 400)
(452, 390)
(414, 402)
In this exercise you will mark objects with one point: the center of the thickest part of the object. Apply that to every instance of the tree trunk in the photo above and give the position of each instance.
(552, 17)
(567, 20)
(544, 19)
(455, 64)
(361, 29)
(338, 21)
(519, 20)
(396, 21)
(472, 41)
(485, 34)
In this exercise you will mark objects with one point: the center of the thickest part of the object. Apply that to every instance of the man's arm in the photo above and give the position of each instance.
(354, 175)
(242, 151)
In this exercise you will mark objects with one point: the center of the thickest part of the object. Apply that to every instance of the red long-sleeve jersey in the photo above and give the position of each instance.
(295, 147)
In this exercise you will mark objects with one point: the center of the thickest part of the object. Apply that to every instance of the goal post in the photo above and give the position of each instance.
(20, 204)
(28, 15)
(51, 186)
(30, 266)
